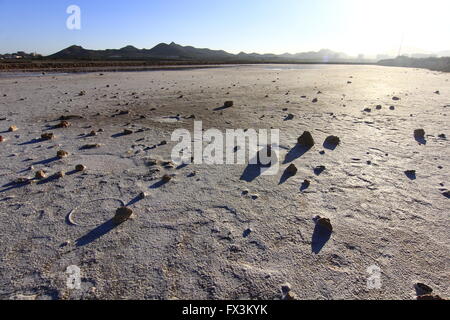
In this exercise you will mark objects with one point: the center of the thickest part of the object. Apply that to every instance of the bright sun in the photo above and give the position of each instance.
(385, 25)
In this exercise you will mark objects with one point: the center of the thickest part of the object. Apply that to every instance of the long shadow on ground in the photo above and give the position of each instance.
(320, 237)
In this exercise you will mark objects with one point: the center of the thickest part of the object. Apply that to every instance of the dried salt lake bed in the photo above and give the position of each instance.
(212, 232)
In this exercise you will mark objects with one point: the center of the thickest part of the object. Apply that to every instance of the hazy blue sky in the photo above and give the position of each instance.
(277, 26)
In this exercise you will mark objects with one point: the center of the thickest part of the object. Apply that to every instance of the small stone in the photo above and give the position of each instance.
(378, 107)
(305, 184)
(290, 116)
(367, 110)
(82, 93)
(13, 129)
(423, 288)
(47, 136)
(41, 174)
(325, 223)
(91, 146)
(395, 98)
(228, 104)
(93, 133)
(80, 168)
(292, 170)
(143, 195)
(315, 100)
(286, 292)
(419, 133)
(122, 215)
(166, 178)
(163, 143)
(437, 92)
(333, 140)
(21, 180)
(62, 154)
(391, 108)
(247, 232)
(306, 140)
(60, 174)
(285, 288)
(127, 132)
(64, 124)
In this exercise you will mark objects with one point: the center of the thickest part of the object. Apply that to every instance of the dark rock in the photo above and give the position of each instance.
(324, 223)
(306, 140)
(228, 104)
(62, 154)
(332, 141)
(292, 170)
(419, 133)
(422, 289)
(289, 117)
(122, 215)
(47, 136)
(319, 169)
(80, 167)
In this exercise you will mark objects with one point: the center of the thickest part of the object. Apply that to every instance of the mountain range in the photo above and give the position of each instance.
(177, 52)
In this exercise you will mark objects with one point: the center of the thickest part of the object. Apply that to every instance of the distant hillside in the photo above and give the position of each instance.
(177, 52)
(436, 64)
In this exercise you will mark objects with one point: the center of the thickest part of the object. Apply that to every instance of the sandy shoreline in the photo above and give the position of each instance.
(187, 238)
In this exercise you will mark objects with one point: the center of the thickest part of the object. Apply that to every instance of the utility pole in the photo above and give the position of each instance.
(401, 45)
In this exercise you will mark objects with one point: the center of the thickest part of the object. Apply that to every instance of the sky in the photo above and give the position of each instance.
(265, 26)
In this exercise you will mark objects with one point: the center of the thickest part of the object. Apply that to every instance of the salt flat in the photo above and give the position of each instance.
(214, 232)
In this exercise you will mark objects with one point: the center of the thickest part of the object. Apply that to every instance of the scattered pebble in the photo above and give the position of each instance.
(292, 170)
(325, 223)
(122, 215)
(60, 174)
(423, 288)
(333, 140)
(143, 195)
(306, 140)
(47, 136)
(13, 129)
(41, 174)
(62, 154)
(91, 146)
(64, 124)
(228, 104)
(419, 133)
(80, 168)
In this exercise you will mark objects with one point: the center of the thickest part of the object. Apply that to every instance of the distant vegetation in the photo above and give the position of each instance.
(435, 64)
